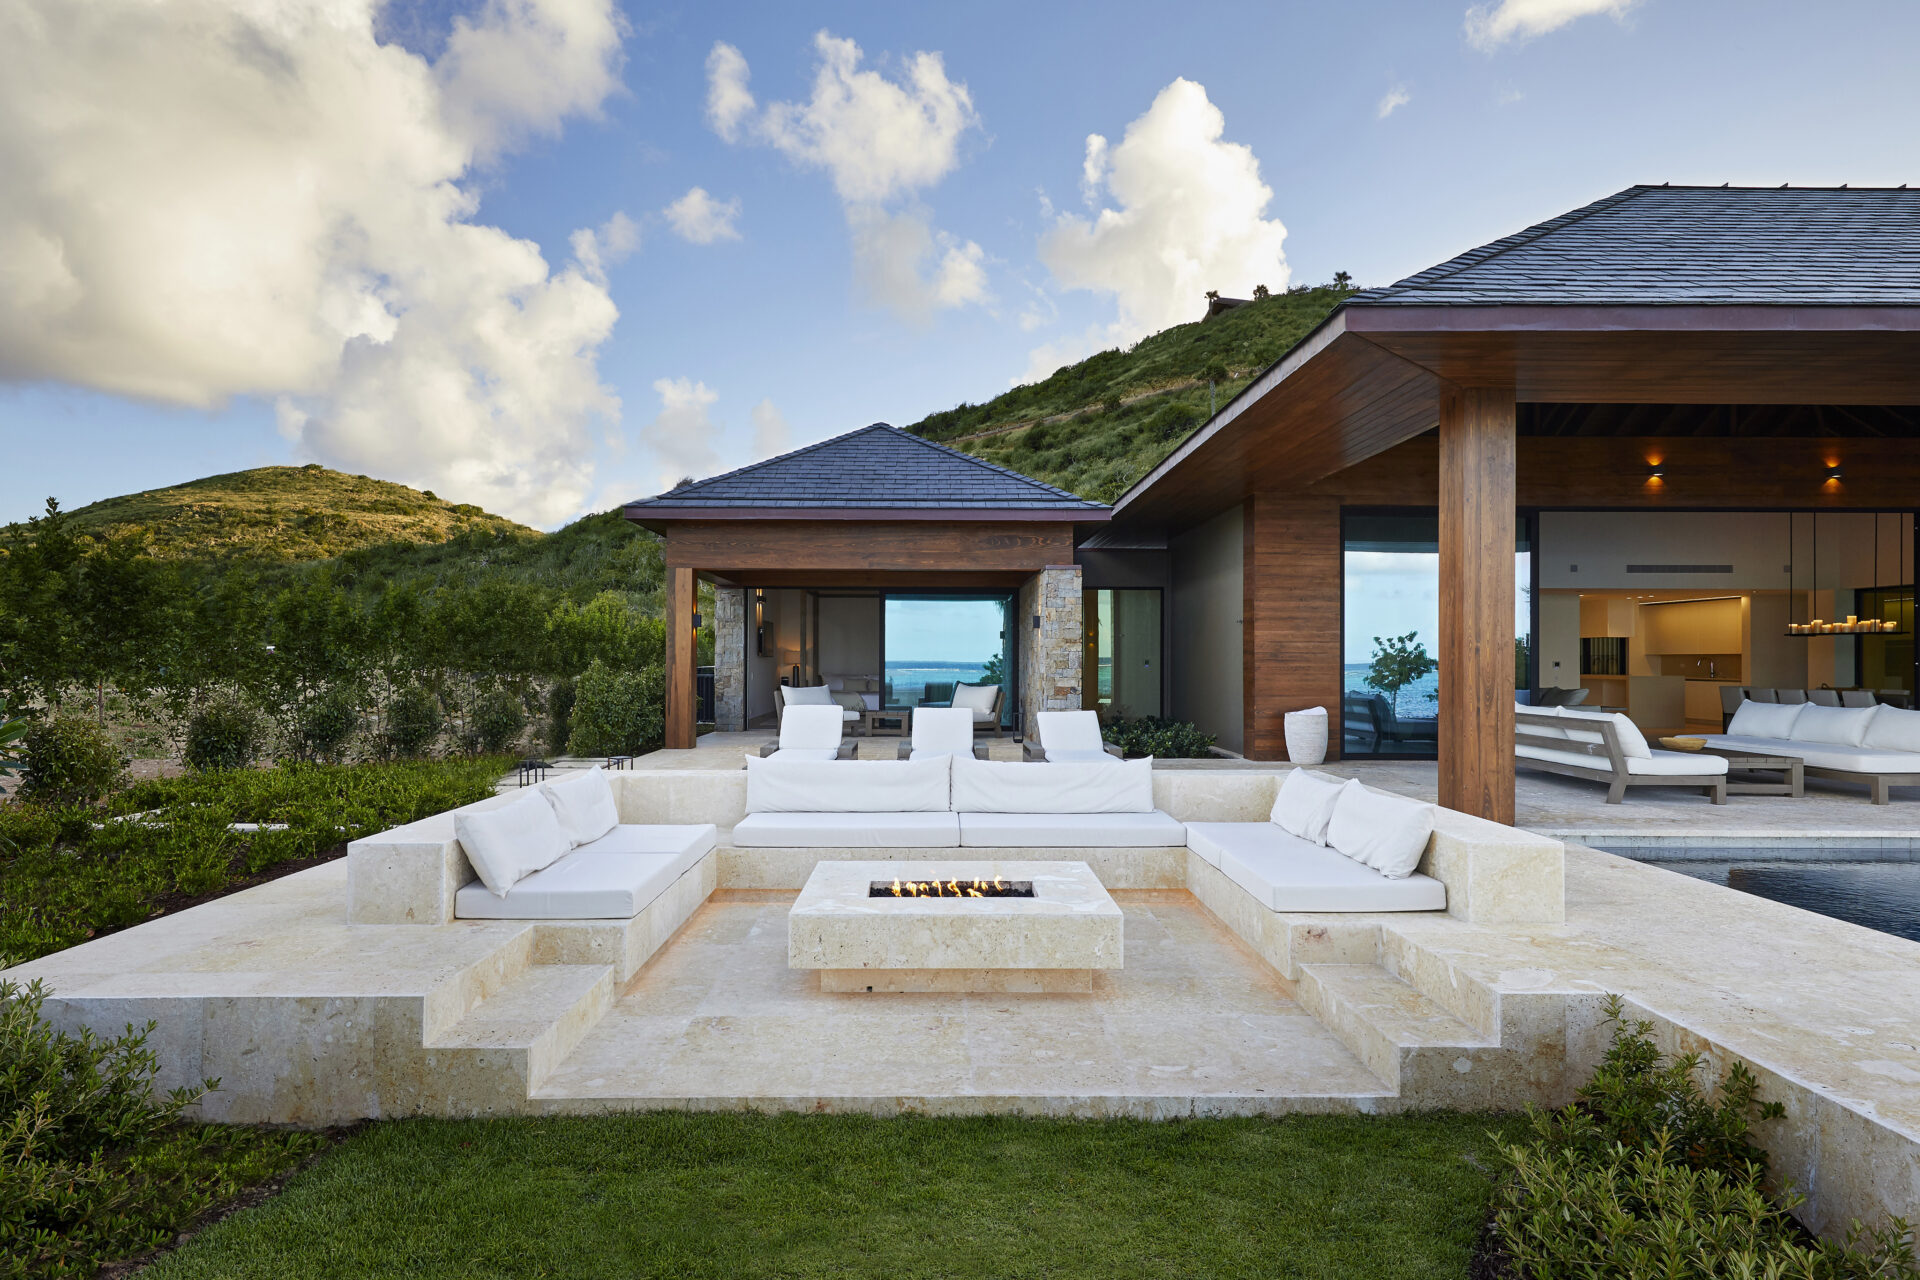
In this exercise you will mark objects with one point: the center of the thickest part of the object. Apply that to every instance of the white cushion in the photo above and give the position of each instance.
(1840, 726)
(993, 786)
(871, 701)
(1626, 732)
(580, 886)
(1285, 873)
(1826, 755)
(812, 727)
(1661, 763)
(1385, 832)
(1893, 729)
(804, 753)
(1068, 731)
(775, 785)
(1540, 730)
(584, 805)
(1071, 831)
(511, 842)
(975, 697)
(1764, 720)
(848, 831)
(686, 842)
(1059, 756)
(942, 731)
(1305, 804)
(813, 695)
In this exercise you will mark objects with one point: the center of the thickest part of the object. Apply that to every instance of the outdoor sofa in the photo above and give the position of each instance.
(559, 852)
(1607, 747)
(1878, 746)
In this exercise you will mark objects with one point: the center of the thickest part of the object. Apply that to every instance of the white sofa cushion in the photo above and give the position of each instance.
(1626, 732)
(1764, 720)
(1893, 729)
(1838, 726)
(791, 754)
(584, 804)
(686, 843)
(511, 842)
(580, 886)
(1285, 873)
(1826, 755)
(1071, 831)
(848, 831)
(975, 699)
(997, 786)
(777, 785)
(1661, 763)
(813, 695)
(1068, 731)
(811, 728)
(1305, 804)
(942, 731)
(1061, 755)
(1385, 832)
(1541, 730)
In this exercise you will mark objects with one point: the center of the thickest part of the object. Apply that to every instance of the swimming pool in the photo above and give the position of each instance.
(1864, 890)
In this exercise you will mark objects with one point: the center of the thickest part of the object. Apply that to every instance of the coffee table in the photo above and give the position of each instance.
(1789, 772)
(887, 722)
(1049, 942)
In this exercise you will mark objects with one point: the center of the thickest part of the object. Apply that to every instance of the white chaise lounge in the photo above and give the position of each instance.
(811, 733)
(1608, 747)
(1069, 737)
(941, 731)
(1331, 844)
(1878, 746)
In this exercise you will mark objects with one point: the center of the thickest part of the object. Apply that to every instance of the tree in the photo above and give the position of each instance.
(1260, 291)
(1398, 661)
(1341, 280)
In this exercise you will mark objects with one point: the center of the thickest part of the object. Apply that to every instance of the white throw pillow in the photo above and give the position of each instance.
(813, 695)
(1893, 729)
(1765, 719)
(975, 697)
(1305, 804)
(507, 844)
(1386, 832)
(1841, 726)
(584, 805)
(1004, 786)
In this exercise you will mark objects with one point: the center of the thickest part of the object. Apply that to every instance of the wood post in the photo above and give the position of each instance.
(1476, 600)
(681, 669)
(1290, 624)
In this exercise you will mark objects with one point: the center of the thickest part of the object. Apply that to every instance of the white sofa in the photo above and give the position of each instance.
(1607, 747)
(1878, 746)
(952, 802)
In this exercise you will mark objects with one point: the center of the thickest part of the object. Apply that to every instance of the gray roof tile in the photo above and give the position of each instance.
(1737, 246)
(876, 467)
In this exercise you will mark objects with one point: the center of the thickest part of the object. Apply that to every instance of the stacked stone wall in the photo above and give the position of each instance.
(729, 659)
(1051, 654)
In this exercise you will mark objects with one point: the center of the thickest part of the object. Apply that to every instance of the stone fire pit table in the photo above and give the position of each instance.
(1052, 941)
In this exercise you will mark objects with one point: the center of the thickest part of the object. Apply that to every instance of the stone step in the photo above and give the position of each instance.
(512, 1040)
(1389, 1025)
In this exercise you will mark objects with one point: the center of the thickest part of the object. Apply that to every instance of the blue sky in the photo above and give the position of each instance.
(1391, 135)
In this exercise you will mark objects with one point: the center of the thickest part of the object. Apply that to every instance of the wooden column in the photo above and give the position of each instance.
(1476, 600)
(681, 662)
(1290, 624)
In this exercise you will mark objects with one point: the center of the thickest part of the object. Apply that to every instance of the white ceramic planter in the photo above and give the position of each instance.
(1307, 735)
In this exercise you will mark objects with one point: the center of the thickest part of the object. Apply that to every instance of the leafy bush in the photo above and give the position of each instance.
(224, 734)
(413, 722)
(12, 731)
(1647, 1175)
(69, 760)
(497, 721)
(618, 712)
(1159, 737)
(92, 1167)
(326, 724)
(559, 715)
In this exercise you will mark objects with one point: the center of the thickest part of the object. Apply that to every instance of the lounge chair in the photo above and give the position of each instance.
(1610, 749)
(810, 733)
(1068, 737)
(816, 695)
(983, 701)
(941, 731)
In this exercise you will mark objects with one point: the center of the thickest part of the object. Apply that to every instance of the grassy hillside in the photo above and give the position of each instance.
(1097, 426)
(287, 514)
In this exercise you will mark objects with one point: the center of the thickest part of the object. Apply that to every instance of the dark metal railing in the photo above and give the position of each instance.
(703, 694)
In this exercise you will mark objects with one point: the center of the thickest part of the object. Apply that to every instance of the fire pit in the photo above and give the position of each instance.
(964, 926)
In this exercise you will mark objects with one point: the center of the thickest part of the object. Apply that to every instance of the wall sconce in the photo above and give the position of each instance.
(1656, 471)
(1834, 472)
(760, 622)
(696, 622)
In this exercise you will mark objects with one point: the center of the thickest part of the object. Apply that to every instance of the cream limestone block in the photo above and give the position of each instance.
(674, 797)
(410, 874)
(788, 868)
(988, 981)
(1496, 874)
(1216, 795)
(1070, 923)
(628, 944)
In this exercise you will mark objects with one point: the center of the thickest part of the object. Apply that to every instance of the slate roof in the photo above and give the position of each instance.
(1766, 246)
(875, 468)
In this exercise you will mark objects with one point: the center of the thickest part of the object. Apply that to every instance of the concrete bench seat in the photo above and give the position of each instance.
(1071, 830)
(613, 878)
(1286, 873)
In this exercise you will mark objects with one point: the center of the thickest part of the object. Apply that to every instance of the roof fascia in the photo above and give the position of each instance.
(1410, 317)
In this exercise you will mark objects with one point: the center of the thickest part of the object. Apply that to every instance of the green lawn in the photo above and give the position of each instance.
(671, 1194)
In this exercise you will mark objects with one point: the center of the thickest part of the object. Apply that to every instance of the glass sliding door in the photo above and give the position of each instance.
(933, 642)
(1120, 675)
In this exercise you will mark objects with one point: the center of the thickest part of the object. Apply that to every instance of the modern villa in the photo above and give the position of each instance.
(1654, 441)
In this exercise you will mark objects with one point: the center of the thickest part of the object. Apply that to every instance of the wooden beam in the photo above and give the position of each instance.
(736, 550)
(681, 669)
(1290, 629)
(1476, 600)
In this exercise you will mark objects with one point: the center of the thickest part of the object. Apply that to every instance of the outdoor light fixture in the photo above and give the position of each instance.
(1834, 472)
(1656, 470)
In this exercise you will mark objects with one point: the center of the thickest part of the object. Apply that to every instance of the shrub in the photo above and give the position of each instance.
(326, 724)
(92, 1167)
(1155, 736)
(618, 712)
(497, 721)
(559, 715)
(224, 734)
(413, 721)
(1173, 420)
(1648, 1175)
(69, 760)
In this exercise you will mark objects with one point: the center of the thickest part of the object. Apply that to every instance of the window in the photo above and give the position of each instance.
(1120, 675)
(933, 642)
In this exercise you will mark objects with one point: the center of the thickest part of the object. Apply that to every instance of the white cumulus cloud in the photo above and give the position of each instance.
(771, 435)
(596, 249)
(683, 435)
(206, 199)
(698, 218)
(1394, 99)
(1188, 214)
(1493, 24)
(881, 141)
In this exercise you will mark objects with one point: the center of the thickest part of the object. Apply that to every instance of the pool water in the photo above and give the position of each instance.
(1874, 893)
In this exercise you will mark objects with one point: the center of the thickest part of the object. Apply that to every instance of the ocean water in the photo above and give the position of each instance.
(910, 677)
(1417, 701)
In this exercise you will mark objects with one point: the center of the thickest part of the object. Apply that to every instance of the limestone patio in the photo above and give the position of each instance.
(1221, 1007)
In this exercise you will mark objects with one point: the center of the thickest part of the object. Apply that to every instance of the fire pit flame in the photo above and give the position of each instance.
(950, 888)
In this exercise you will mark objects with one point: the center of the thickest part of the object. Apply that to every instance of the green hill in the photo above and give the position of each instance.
(1097, 426)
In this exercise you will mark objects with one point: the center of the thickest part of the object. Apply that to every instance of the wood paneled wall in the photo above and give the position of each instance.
(1476, 601)
(1291, 622)
(681, 667)
(735, 550)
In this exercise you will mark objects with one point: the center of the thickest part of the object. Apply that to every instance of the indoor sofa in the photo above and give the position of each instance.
(1878, 746)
